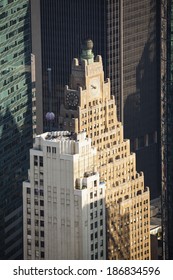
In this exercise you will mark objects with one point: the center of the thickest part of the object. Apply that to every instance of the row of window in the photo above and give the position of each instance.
(38, 254)
(95, 204)
(51, 149)
(95, 257)
(38, 161)
(95, 224)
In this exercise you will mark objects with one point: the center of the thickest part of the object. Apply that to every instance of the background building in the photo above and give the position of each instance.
(15, 120)
(156, 229)
(167, 125)
(64, 200)
(127, 35)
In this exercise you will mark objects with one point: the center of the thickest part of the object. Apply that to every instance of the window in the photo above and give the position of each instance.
(41, 202)
(41, 161)
(29, 252)
(41, 192)
(41, 182)
(42, 223)
(29, 241)
(35, 161)
(42, 213)
(42, 244)
(28, 190)
(28, 201)
(36, 201)
(36, 191)
(37, 253)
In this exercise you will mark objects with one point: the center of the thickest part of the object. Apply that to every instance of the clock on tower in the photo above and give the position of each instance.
(94, 86)
(72, 99)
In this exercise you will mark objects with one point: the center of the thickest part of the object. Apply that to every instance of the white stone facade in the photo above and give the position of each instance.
(64, 200)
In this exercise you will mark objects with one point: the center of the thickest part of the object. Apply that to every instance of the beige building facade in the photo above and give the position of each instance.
(90, 107)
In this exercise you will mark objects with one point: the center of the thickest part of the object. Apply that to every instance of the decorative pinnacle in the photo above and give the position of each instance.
(87, 54)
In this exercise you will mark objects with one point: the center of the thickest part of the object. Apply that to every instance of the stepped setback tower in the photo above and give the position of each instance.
(90, 107)
(116, 200)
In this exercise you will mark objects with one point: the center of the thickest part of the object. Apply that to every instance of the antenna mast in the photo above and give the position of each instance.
(50, 116)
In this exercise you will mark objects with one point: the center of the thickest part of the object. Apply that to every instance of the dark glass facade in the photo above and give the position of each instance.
(126, 34)
(15, 120)
(167, 125)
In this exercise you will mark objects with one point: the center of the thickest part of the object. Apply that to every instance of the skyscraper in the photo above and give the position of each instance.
(53, 184)
(126, 34)
(167, 125)
(15, 120)
(64, 200)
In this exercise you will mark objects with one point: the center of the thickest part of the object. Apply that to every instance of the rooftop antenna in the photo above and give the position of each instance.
(50, 116)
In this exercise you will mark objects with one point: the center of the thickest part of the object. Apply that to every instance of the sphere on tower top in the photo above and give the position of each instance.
(87, 44)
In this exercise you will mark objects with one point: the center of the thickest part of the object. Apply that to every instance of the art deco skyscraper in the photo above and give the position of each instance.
(88, 107)
(126, 35)
(15, 120)
(64, 200)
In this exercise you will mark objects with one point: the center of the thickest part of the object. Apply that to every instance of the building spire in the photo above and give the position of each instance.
(50, 116)
(87, 54)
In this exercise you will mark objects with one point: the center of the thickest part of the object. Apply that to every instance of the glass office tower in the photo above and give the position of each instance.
(167, 125)
(126, 35)
(15, 120)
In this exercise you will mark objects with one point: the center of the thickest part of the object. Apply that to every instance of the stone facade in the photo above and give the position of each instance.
(90, 107)
(64, 200)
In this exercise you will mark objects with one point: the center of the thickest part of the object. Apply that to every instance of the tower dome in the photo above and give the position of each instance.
(87, 44)
(87, 54)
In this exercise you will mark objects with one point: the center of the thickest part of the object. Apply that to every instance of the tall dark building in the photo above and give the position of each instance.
(167, 125)
(15, 120)
(126, 34)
